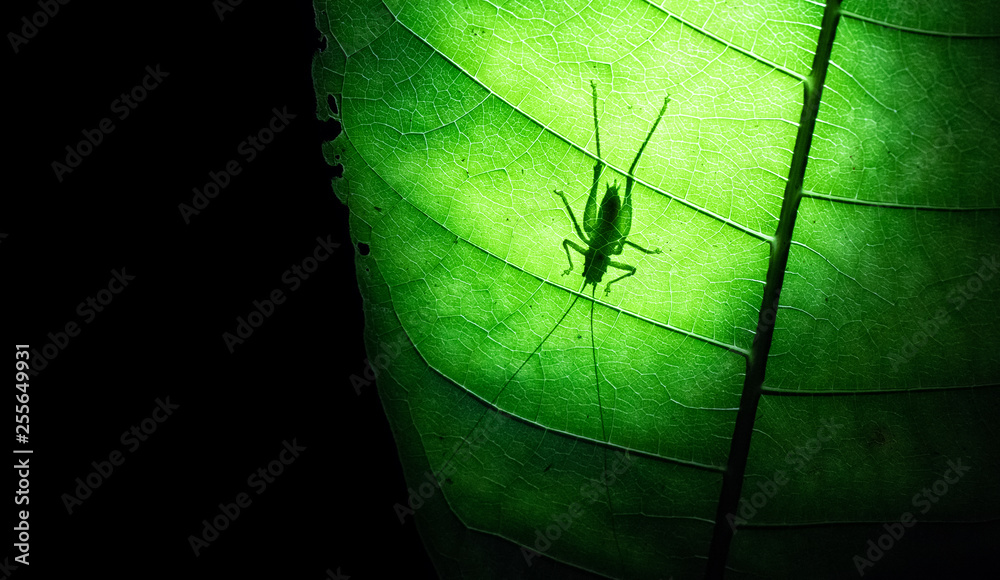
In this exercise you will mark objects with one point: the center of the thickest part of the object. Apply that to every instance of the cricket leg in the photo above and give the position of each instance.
(641, 249)
(566, 245)
(626, 210)
(590, 211)
(629, 271)
(579, 232)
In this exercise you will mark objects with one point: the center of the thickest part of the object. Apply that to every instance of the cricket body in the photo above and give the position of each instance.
(608, 226)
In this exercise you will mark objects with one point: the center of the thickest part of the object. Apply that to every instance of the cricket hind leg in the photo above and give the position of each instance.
(590, 211)
(626, 210)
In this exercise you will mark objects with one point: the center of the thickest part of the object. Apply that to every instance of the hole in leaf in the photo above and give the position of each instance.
(364, 249)
(329, 130)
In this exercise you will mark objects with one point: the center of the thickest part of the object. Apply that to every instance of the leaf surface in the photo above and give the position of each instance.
(461, 118)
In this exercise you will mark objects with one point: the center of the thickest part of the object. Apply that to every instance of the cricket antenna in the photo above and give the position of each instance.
(496, 397)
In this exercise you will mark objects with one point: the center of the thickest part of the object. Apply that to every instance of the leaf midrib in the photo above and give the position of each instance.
(733, 477)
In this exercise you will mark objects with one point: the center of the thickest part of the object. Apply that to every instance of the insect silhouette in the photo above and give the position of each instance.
(607, 227)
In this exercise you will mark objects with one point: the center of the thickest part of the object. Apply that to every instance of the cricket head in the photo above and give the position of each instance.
(612, 189)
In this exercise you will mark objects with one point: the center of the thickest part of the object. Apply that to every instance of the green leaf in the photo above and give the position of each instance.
(815, 347)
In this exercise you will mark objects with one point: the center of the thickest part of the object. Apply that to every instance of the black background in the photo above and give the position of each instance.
(332, 508)
(162, 335)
